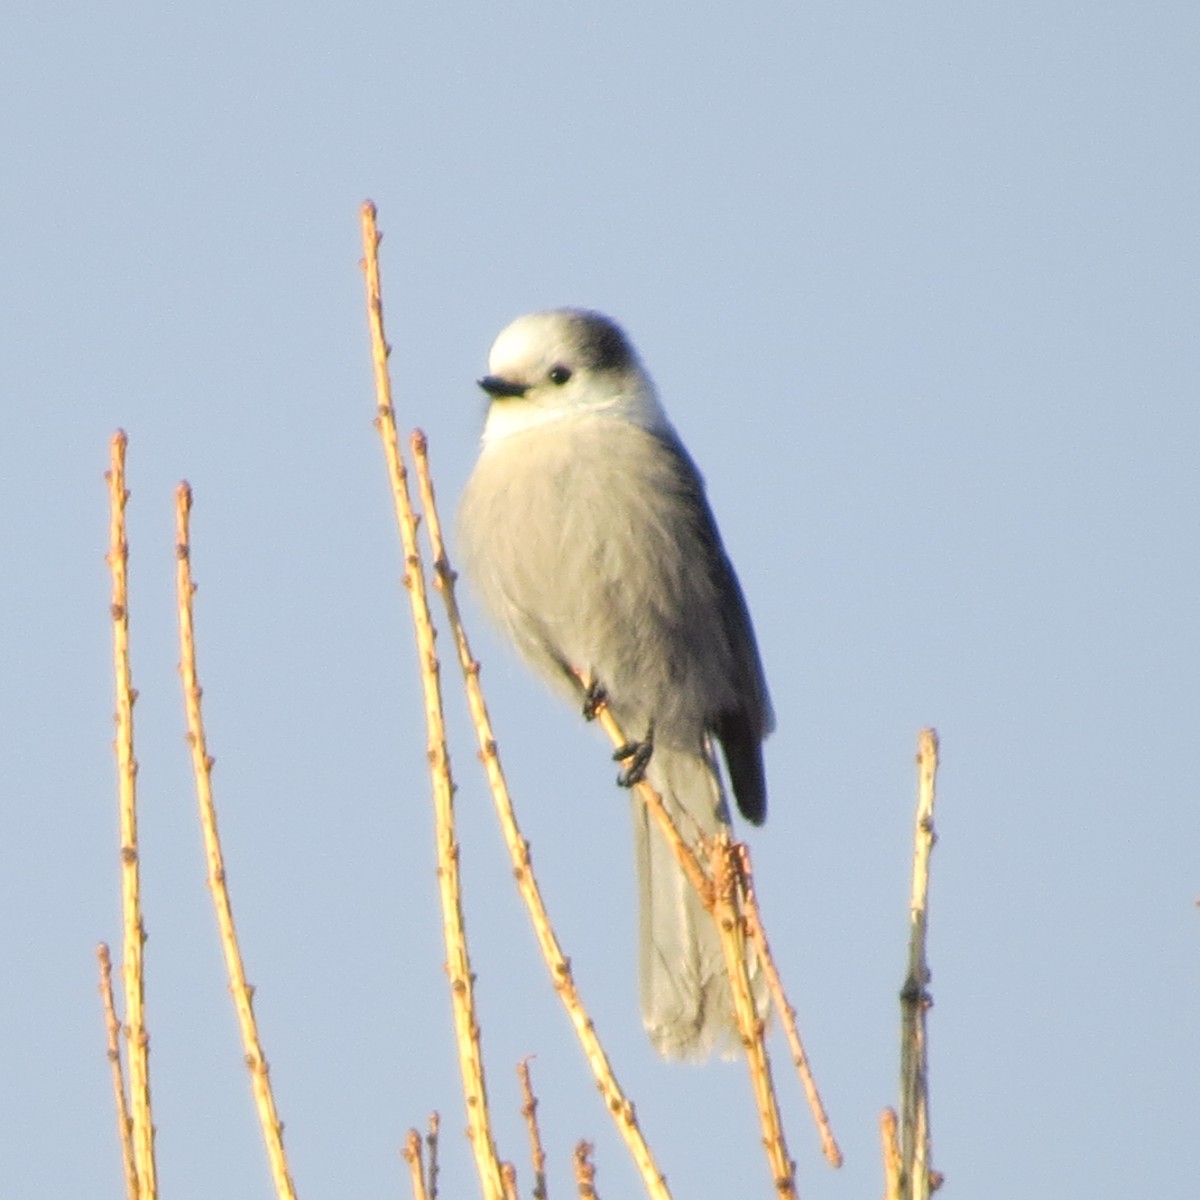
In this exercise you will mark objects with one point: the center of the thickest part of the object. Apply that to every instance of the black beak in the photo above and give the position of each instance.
(497, 387)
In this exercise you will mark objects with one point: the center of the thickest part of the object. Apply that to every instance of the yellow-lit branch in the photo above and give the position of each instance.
(202, 763)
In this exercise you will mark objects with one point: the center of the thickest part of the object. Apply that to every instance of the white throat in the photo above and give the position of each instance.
(509, 415)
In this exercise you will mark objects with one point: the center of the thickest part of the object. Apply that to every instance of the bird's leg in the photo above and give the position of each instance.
(594, 696)
(594, 699)
(635, 757)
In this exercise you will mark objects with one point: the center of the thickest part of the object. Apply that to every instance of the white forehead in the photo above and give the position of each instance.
(538, 338)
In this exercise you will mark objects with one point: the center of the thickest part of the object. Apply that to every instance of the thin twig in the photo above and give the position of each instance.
(787, 1013)
(915, 1000)
(722, 898)
(416, 1166)
(113, 1028)
(431, 1146)
(585, 1172)
(619, 1105)
(727, 913)
(202, 764)
(458, 965)
(529, 1112)
(134, 939)
(893, 1168)
(508, 1173)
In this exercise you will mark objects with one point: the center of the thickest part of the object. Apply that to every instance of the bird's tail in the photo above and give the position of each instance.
(687, 1005)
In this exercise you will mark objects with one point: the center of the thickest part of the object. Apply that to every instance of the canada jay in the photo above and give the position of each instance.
(586, 533)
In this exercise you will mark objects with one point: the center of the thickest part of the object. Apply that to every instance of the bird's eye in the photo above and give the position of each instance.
(560, 375)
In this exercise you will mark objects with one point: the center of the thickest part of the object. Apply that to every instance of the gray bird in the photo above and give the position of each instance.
(587, 535)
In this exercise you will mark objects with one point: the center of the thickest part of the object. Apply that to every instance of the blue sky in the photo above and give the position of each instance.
(919, 289)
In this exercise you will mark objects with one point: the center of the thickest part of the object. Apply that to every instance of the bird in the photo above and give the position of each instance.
(586, 533)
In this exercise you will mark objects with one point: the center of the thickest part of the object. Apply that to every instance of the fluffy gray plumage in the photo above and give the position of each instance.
(586, 532)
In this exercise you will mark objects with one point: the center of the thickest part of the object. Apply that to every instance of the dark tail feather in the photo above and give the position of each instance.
(742, 745)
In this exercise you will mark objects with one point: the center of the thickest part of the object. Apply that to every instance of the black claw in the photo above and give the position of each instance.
(594, 699)
(636, 757)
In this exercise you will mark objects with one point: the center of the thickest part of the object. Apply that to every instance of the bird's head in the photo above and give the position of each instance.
(567, 362)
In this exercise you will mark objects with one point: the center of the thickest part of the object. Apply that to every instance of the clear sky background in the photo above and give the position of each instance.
(918, 285)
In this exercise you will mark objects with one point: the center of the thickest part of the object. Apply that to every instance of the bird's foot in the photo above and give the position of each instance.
(594, 699)
(635, 758)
